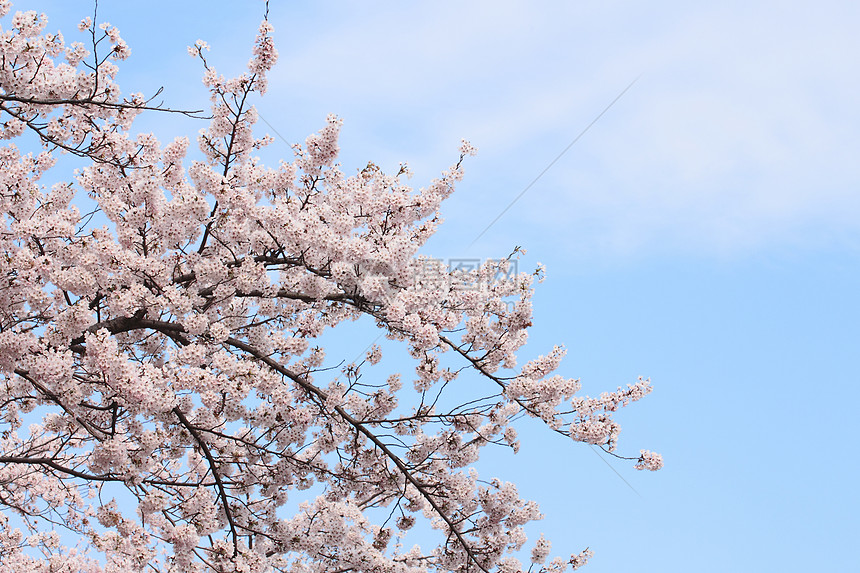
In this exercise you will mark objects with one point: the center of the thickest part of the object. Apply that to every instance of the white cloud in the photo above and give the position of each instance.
(739, 133)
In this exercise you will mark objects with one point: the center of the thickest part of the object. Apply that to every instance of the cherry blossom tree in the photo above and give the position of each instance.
(165, 404)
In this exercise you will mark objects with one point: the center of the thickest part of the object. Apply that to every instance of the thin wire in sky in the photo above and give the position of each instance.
(272, 127)
(551, 163)
(593, 449)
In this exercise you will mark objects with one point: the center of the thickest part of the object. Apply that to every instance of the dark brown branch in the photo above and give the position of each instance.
(56, 399)
(213, 466)
(51, 463)
(54, 465)
(92, 101)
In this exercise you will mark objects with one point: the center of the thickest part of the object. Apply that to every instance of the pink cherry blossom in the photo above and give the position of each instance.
(164, 393)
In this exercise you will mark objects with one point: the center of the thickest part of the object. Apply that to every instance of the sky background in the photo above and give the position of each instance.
(705, 232)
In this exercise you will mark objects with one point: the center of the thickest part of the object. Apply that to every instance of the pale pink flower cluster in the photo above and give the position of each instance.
(649, 460)
(168, 343)
(577, 561)
(541, 550)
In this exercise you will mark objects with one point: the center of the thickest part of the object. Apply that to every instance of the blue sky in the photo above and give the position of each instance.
(705, 232)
